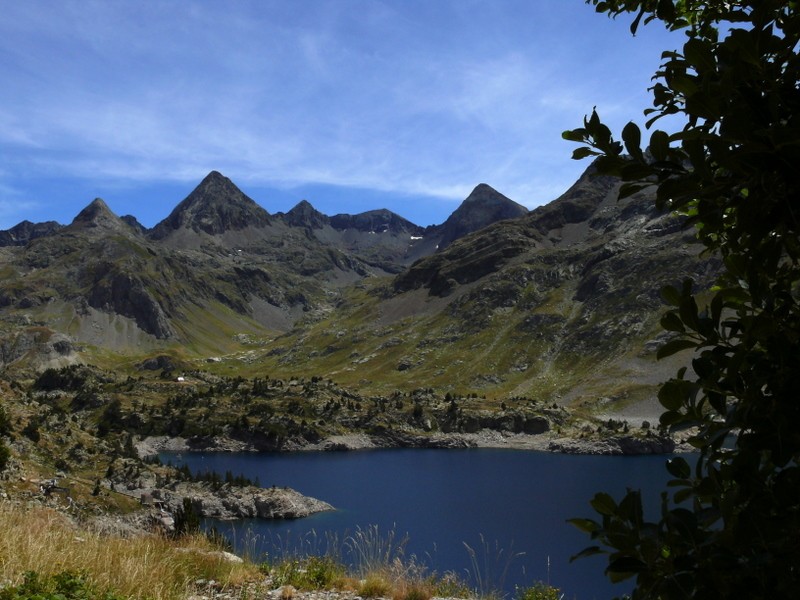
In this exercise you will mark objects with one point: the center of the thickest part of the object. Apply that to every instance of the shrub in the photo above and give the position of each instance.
(66, 585)
(538, 591)
(310, 573)
(5, 456)
(31, 431)
(187, 521)
(71, 378)
(5, 423)
(412, 591)
(374, 586)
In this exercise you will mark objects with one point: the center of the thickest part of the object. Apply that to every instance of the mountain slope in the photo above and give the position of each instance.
(560, 303)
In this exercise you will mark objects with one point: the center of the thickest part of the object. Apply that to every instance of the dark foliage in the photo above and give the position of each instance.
(729, 530)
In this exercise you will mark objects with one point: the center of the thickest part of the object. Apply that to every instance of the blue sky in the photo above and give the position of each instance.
(350, 104)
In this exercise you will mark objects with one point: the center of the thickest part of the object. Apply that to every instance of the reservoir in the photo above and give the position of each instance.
(509, 506)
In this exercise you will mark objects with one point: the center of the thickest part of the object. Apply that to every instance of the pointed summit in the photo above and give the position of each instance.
(305, 215)
(215, 206)
(97, 214)
(483, 206)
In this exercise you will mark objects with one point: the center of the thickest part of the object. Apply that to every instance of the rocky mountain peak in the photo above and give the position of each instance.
(375, 221)
(305, 215)
(23, 232)
(215, 206)
(482, 207)
(483, 192)
(97, 215)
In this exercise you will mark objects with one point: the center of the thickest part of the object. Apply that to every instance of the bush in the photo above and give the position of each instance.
(187, 521)
(66, 585)
(5, 423)
(413, 591)
(71, 378)
(310, 573)
(538, 591)
(31, 431)
(5, 456)
(374, 586)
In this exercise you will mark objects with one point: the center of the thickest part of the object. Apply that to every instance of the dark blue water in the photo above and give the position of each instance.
(509, 501)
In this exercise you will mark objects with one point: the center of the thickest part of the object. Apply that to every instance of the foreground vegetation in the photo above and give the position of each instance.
(44, 554)
(41, 548)
(730, 528)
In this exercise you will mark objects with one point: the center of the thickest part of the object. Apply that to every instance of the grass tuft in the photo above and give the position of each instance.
(44, 542)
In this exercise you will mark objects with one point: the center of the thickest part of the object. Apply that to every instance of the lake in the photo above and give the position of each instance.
(504, 504)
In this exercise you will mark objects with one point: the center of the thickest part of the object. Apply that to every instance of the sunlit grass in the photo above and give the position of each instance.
(149, 566)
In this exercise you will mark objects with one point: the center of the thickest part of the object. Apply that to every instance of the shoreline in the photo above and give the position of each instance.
(616, 445)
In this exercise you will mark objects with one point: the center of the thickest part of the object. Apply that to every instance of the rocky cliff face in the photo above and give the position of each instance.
(125, 294)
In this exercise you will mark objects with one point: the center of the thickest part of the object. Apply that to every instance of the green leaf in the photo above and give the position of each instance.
(688, 312)
(672, 322)
(580, 153)
(678, 467)
(683, 495)
(585, 525)
(672, 395)
(683, 84)
(673, 347)
(574, 135)
(632, 137)
(700, 55)
(665, 10)
(604, 504)
(659, 145)
(629, 189)
(630, 508)
(627, 565)
(671, 295)
(636, 171)
(590, 551)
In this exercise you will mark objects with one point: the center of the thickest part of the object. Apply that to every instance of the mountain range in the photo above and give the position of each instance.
(561, 302)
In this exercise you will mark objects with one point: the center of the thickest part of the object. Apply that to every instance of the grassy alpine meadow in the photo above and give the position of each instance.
(44, 542)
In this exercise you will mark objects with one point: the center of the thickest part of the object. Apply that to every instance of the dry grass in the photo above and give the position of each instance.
(150, 566)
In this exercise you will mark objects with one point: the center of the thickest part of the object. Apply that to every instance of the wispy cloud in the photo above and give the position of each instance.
(412, 97)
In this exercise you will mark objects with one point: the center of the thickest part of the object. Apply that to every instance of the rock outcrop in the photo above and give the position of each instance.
(126, 294)
(42, 347)
(615, 445)
(233, 502)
